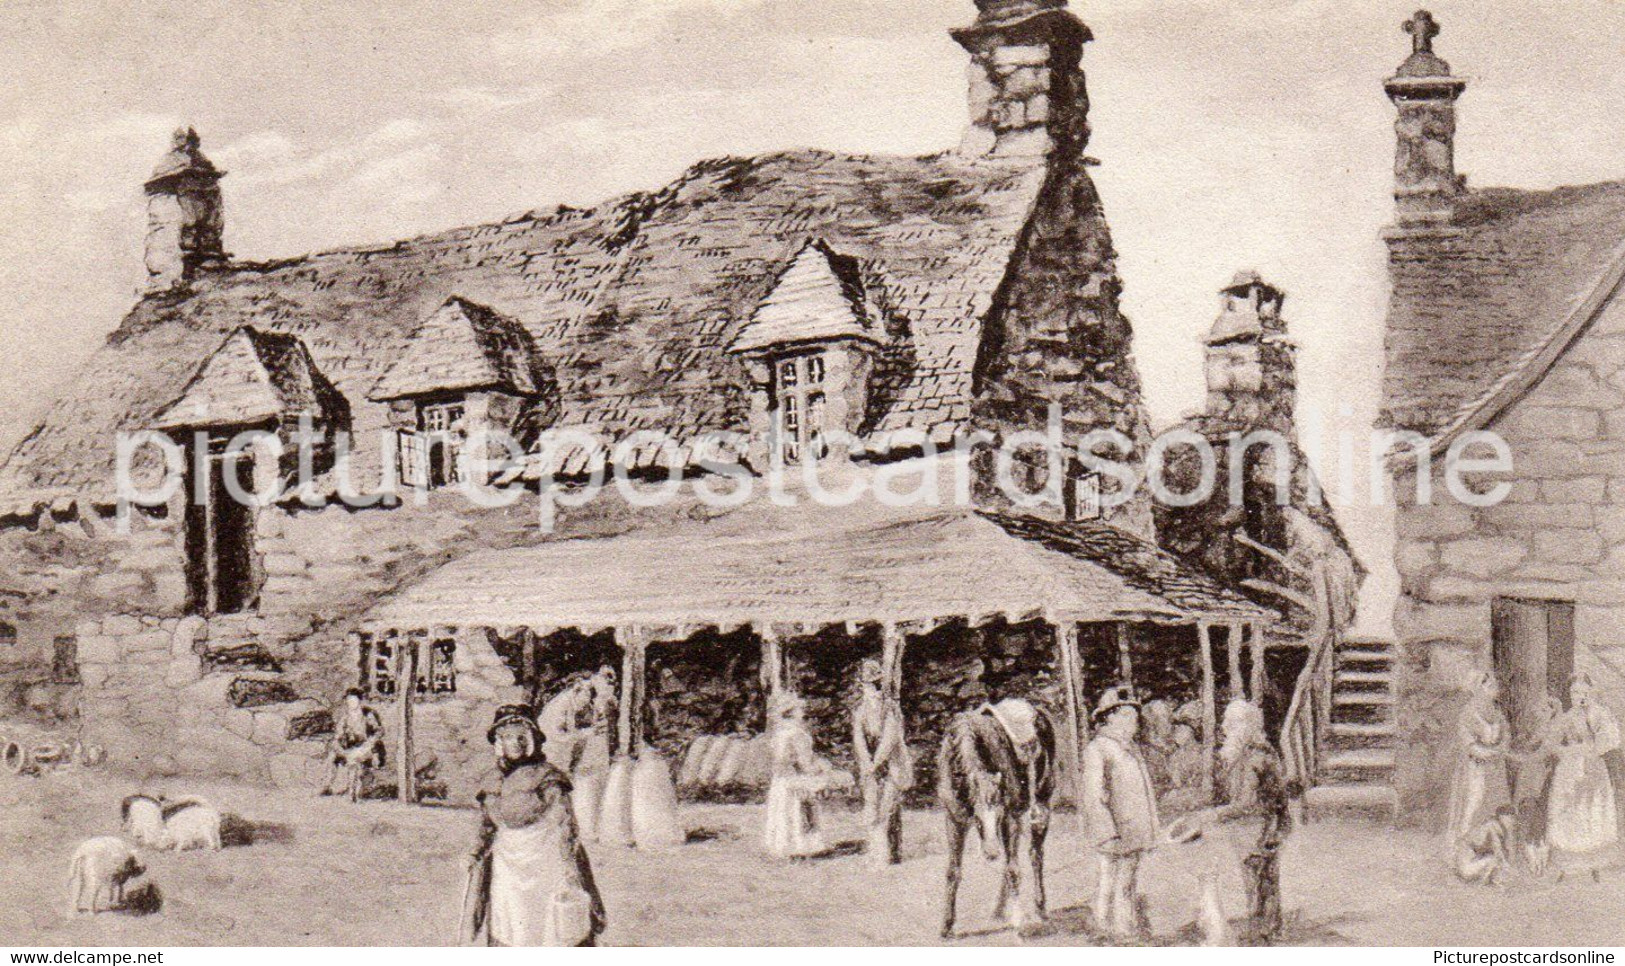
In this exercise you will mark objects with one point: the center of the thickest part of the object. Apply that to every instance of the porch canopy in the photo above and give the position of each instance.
(786, 571)
(817, 567)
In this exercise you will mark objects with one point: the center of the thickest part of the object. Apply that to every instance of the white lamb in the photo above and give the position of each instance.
(98, 873)
(193, 827)
(144, 820)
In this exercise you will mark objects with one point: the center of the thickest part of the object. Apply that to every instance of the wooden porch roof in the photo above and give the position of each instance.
(819, 566)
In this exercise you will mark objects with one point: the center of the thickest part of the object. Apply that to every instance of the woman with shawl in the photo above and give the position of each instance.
(530, 883)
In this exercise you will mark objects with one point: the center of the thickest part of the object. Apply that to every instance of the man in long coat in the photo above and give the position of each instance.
(884, 769)
(1121, 808)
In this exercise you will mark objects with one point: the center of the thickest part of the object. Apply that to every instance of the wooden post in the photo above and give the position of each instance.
(892, 643)
(1255, 634)
(1125, 653)
(1076, 726)
(1210, 714)
(527, 658)
(1232, 643)
(406, 680)
(772, 665)
(632, 643)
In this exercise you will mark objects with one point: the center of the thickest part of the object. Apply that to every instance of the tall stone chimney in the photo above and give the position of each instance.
(185, 217)
(1426, 185)
(1252, 377)
(1027, 93)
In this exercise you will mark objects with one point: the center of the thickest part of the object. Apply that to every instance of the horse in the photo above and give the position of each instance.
(996, 768)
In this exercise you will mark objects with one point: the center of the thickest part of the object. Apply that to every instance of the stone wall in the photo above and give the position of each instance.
(1559, 535)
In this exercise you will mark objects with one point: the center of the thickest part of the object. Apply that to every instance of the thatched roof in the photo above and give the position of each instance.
(632, 304)
(818, 566)
(464, 346)
(254, 377)
(1482, 305)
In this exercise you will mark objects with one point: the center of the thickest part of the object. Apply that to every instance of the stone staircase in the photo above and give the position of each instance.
(1356, 770)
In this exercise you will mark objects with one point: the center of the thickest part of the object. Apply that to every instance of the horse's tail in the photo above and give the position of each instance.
(1045, 765)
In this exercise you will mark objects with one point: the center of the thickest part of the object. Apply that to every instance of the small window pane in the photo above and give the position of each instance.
(815, 425)
(787, 373)
(815, 369)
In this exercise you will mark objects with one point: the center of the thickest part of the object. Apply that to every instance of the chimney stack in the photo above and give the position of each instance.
(1252, 379)
(185, 217)
(1426, 185)
(1027, 94)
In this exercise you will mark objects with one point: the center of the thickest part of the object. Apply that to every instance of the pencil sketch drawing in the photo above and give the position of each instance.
(798, 553)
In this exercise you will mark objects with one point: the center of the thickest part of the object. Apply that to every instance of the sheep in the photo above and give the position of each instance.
(143, 820)
(98, 873)
(193, 827)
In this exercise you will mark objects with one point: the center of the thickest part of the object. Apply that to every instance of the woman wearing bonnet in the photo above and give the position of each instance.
(530, 883)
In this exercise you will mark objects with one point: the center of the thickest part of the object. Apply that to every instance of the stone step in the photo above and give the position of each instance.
(1349, 735)
(1344, 697)
(1377, 802)
(1362, 759)
(1364, 658)
(1363, 680)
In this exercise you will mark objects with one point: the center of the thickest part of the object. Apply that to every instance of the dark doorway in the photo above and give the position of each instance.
(1534, 657)
(220, 534)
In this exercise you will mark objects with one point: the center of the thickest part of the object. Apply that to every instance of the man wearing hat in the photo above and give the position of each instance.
(1121, 810)
(529, 883)
(884, 768)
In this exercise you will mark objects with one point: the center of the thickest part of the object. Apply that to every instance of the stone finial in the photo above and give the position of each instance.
(1423, 62)
(1422, 28)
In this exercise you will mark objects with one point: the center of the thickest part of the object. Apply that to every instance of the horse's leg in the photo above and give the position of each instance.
(1039, 823)
(1009, 904)
(956, 855)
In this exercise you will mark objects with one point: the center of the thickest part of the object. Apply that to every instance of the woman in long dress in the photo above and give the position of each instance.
(791, 829)
(1582, 811)
(530, 883)
(1484, 739)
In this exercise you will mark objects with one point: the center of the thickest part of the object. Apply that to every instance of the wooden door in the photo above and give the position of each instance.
(1533, 644)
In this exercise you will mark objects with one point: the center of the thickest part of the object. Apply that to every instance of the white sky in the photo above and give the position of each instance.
(1233, 133)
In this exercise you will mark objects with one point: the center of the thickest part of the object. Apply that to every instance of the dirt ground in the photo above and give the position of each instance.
(325, 872)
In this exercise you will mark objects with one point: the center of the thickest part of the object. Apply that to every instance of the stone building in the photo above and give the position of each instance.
(1506, 318)
(907, 302)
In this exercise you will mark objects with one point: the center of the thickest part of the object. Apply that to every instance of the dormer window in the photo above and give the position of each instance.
(798, 395)
(431, 456)
(808, 349)
(466, 371)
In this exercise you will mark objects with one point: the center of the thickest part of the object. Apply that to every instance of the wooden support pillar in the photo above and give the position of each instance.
(1255, 635)
(527, 660)
(772, 665)
(1210, 712)
(1232, 643)
(892, 643)
(1125, 653)
(1075, 729)
(406, 677)
(633, 644)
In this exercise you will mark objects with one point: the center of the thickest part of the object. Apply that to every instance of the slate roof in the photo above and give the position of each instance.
(632, 303)
(464, 346)
(817, 566)
(252, 378)
(1479, 303)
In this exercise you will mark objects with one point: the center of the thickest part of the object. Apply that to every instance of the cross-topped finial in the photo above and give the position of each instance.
(1422, 28)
